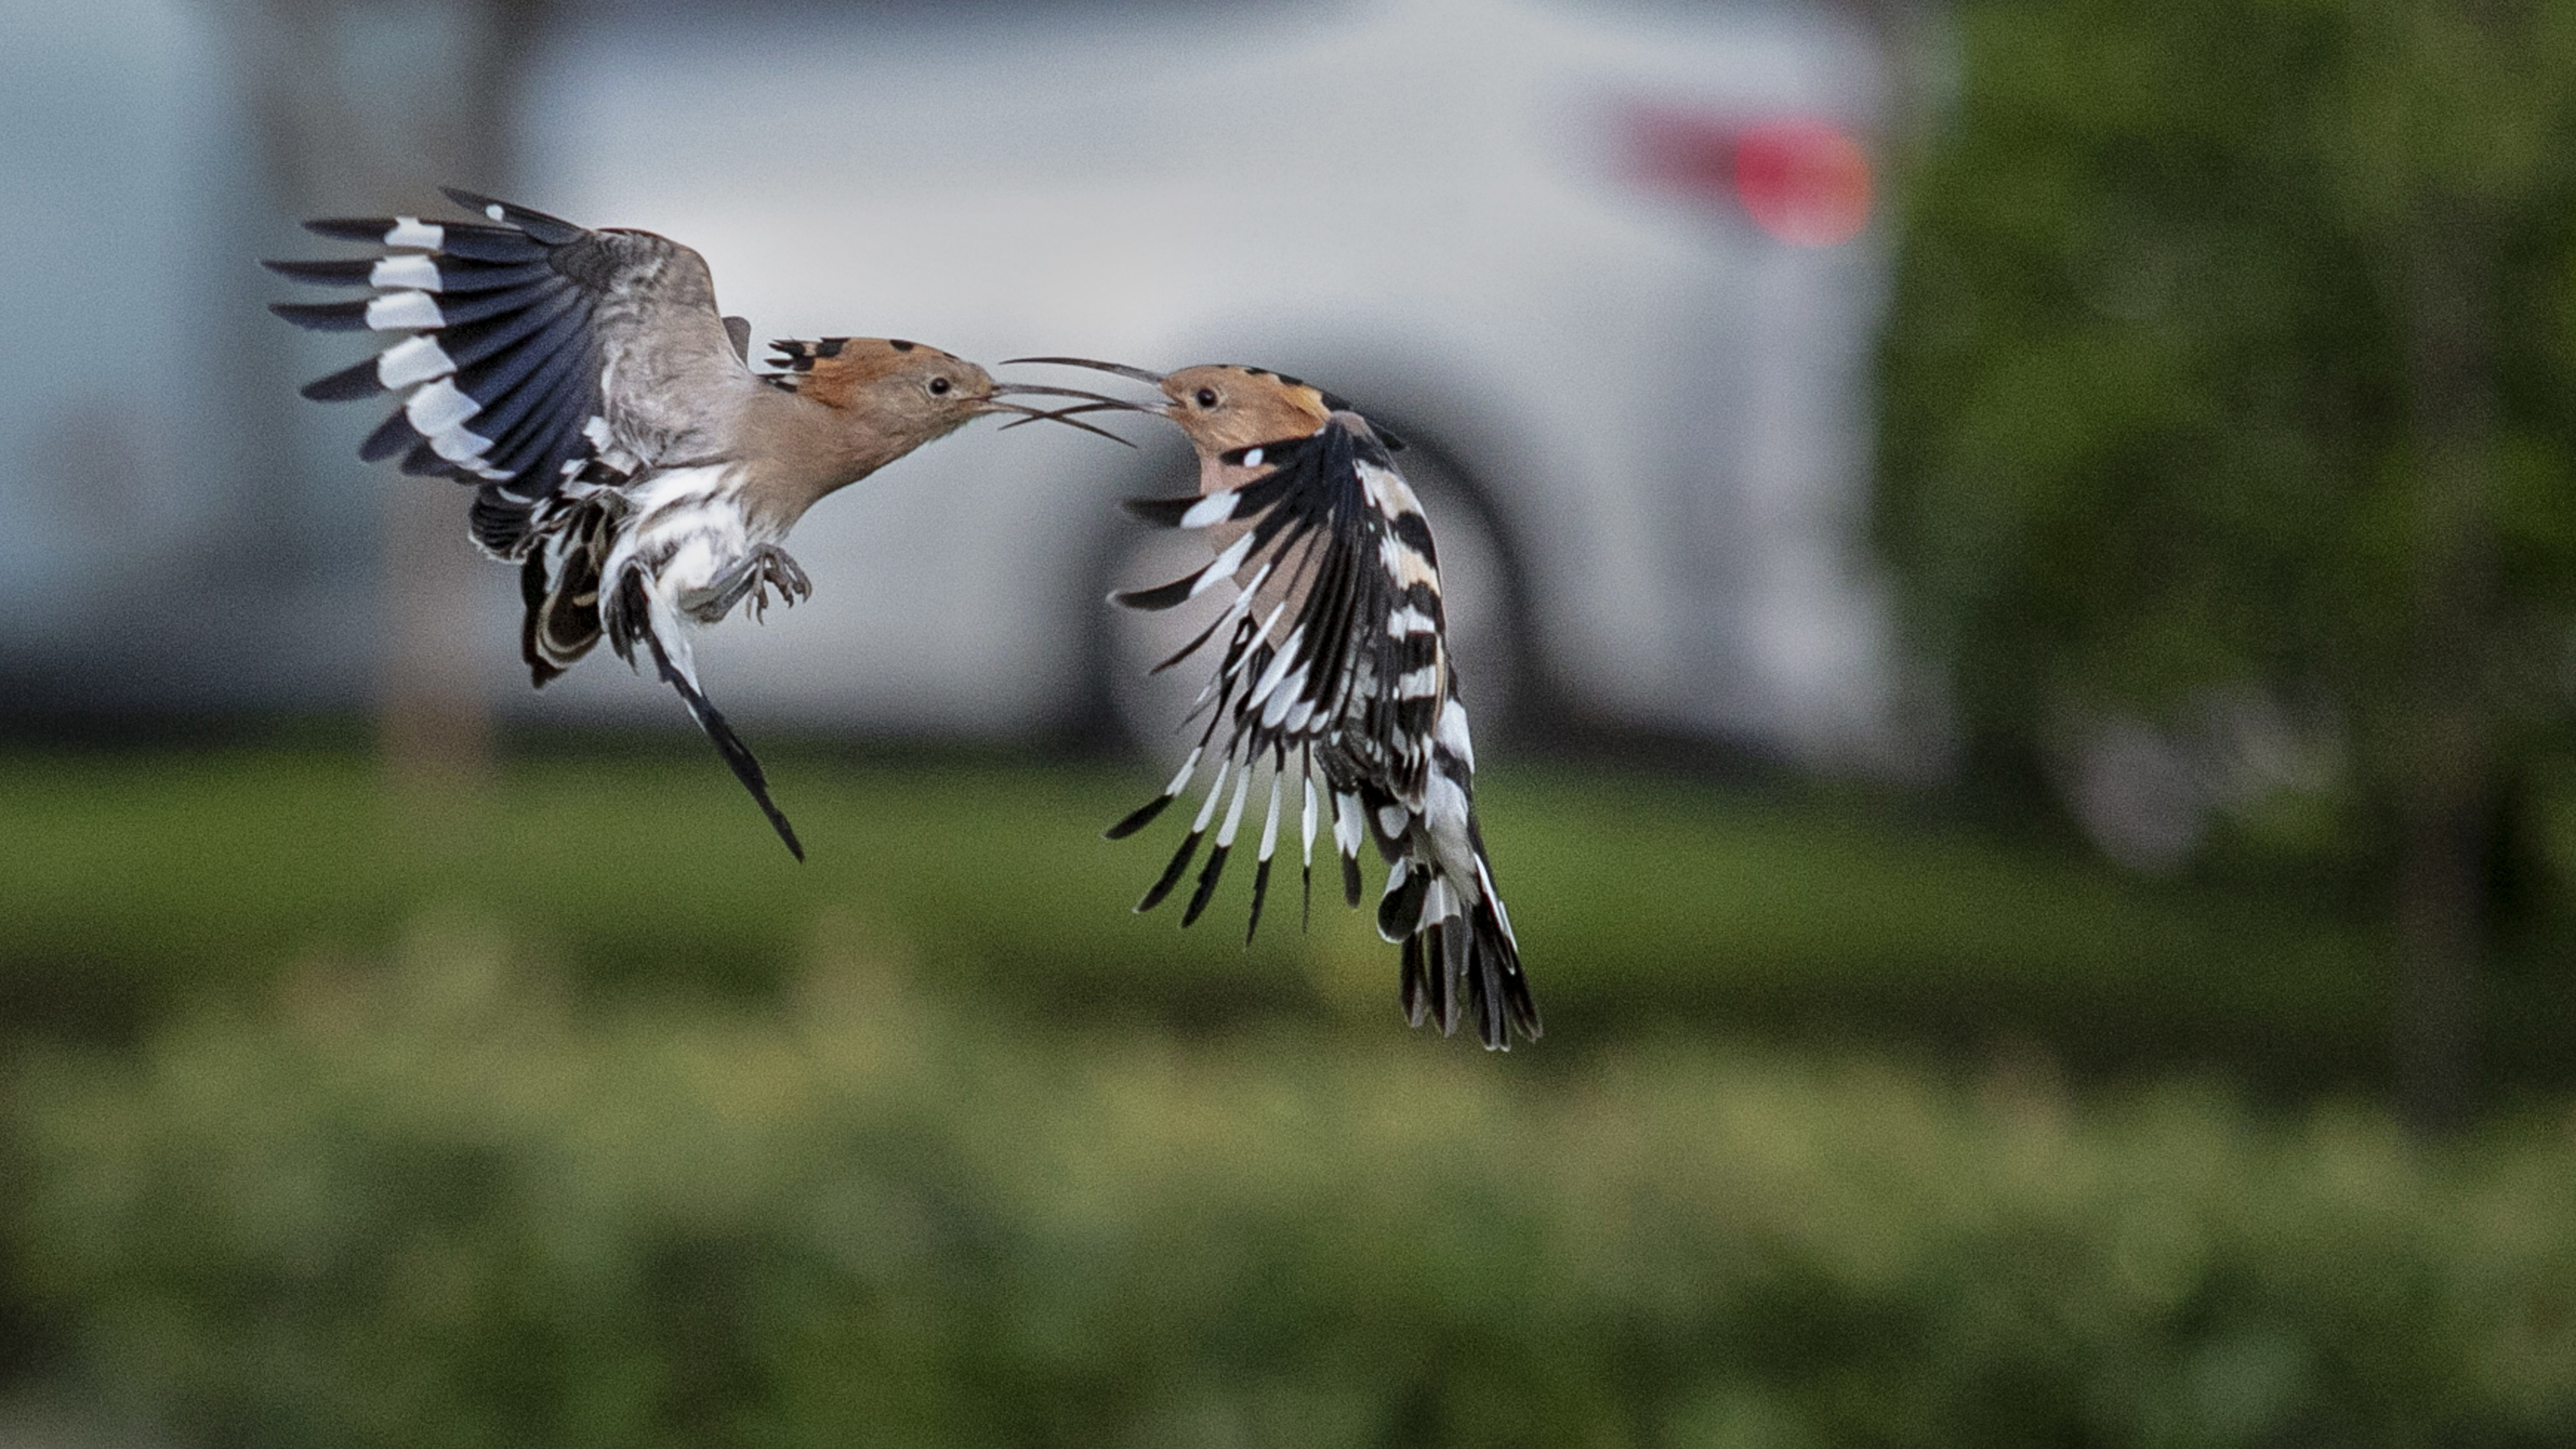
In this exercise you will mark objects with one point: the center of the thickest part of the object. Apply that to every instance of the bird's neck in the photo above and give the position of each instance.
(797, 451)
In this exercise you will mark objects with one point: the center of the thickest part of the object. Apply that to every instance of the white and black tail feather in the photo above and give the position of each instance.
(500, 370)
(1334, 685)
(1441, 904)
(635, 614)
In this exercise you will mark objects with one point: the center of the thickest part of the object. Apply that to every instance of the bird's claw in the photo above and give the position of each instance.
(774, 567)
(748, 582)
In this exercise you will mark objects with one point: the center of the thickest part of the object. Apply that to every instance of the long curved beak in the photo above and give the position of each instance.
(1017, 389)
(1154, 379)
(1035, 415)
(1065, 415)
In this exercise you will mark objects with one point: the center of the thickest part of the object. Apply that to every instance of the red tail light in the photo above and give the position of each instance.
(1806, 183)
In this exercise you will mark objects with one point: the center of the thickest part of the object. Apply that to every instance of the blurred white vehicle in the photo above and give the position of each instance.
(1605, 266)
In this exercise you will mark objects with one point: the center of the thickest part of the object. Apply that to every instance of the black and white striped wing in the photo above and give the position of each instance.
(1300, 642)
(501, 373)
(1334, 685)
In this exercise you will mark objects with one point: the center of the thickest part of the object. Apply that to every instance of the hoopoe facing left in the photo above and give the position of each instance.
(623, 451)
(1335, 667)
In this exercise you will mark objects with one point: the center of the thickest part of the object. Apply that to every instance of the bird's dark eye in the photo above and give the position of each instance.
(939, 387)
(1207, 397)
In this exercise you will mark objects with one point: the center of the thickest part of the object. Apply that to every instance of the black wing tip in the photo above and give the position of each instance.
(1161, 597)
(1206, 891)
(549, 230)
(423, 461)
(1171, 873)
(347, 273)
(323, 316)
(1162, 512)
(346, 385)
(1260, 892)
(394, 435)
(370, 229)
(1138, 818)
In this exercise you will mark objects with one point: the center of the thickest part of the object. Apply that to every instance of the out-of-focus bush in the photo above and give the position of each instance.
(425, 1204)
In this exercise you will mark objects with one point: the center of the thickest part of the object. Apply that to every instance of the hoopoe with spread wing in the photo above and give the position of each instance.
(623, 451)
(1335, 665)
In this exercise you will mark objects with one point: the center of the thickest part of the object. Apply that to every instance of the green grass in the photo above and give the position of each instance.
(135, 880)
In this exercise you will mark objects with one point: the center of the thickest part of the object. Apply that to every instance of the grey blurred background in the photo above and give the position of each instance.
(1519, 233)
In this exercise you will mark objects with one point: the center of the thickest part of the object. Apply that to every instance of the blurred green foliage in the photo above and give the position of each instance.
(431, 1203)
(2230, 408)
(2152, 420)
(140, 883)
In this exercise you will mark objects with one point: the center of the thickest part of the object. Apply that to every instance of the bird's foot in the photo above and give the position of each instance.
(758, 571)
(765, 567)
(772, 567)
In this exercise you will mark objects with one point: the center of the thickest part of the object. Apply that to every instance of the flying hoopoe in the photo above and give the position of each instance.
(1335, 664)
(623, 451)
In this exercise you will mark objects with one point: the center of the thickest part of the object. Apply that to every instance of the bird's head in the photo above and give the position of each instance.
(1224, 407)
(907, 391)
